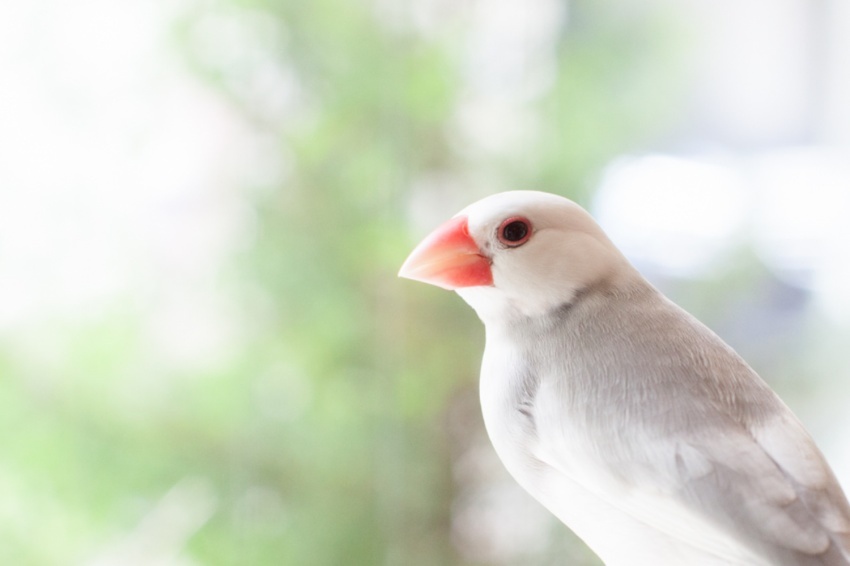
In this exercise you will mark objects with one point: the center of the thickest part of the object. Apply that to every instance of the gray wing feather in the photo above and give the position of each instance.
(751, 462)
(695, 421)
(780, 493)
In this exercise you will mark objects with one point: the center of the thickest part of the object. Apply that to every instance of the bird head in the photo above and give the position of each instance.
(517, 253)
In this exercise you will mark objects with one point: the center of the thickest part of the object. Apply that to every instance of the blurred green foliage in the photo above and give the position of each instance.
(324, 440)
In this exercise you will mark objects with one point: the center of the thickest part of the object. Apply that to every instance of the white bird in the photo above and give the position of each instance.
(622, 414)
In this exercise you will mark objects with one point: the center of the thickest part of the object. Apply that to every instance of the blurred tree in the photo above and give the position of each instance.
(324, 440)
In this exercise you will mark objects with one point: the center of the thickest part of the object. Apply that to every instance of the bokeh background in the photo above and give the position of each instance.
(205, 355)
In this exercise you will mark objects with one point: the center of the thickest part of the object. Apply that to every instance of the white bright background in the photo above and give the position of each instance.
(118, 168)
(117, 172)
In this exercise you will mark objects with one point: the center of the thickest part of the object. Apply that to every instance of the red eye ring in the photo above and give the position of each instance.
(514, 231)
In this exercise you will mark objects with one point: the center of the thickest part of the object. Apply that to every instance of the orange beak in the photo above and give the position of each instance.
(448, 258)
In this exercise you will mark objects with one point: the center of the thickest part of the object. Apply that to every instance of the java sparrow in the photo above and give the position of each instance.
(622, 414)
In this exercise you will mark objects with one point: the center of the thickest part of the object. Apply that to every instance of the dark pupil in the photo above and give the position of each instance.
(515, 231)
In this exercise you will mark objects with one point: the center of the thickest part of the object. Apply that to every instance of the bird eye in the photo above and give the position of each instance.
(514, 232)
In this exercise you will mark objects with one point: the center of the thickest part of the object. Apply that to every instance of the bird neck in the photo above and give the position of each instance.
(502, 312)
